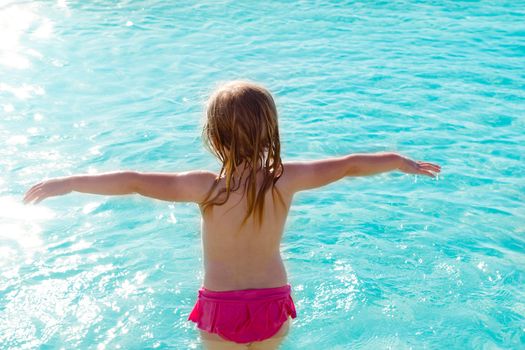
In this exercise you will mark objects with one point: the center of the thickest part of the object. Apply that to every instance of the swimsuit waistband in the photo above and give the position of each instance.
(246, 294)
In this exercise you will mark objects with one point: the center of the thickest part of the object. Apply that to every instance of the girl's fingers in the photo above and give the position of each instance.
(430, 165)
(31, 191)
(27, 197)
(39, 197)
(427, 173)
(422, 168)
(34, 196)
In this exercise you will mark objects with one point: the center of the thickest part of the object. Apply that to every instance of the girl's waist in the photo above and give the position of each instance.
(246, 294)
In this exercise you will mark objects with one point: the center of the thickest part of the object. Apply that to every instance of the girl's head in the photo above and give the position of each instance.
(241, 130)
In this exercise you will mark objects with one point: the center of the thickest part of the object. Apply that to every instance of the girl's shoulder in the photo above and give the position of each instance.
(304, 175)
(190, 186)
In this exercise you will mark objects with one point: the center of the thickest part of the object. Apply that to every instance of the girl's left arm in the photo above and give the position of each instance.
(180, 187)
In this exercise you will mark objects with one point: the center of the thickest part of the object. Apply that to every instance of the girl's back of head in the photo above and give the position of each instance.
(241, 129)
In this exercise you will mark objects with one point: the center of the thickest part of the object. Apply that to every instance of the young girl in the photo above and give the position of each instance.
(245, 300)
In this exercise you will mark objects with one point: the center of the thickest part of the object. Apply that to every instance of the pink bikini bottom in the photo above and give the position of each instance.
(243, 316)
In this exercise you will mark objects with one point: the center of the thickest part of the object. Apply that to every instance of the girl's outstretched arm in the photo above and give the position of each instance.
(181, 187)
(299, 176)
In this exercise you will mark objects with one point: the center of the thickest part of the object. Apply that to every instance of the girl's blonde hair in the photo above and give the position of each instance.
(241, 130)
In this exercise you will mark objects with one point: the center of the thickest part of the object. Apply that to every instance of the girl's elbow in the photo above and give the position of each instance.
(354, 171)
(132, 181)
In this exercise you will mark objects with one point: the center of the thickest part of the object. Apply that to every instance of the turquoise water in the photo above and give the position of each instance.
(391, 261)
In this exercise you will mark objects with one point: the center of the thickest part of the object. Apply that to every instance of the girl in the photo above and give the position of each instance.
(245, 300)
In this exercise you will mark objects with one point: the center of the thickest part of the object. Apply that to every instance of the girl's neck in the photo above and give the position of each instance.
(244, 169)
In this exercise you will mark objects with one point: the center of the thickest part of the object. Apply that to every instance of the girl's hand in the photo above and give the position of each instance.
(411, 167)
(48, 188)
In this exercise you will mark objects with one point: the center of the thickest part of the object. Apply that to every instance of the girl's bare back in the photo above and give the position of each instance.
(244, 256)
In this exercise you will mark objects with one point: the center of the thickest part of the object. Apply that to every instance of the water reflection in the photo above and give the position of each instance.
(16, 21)
(22, 92)
(20, 229)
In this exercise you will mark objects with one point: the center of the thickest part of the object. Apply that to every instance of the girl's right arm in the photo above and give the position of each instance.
(108, 184)
(300, 176)
(177, 187)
